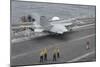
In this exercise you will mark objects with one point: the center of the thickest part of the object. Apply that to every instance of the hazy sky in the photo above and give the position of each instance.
(64, 11)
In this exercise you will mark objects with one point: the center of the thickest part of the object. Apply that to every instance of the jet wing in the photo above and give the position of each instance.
(66, 24)
(59, 26)
(60, 29)
(61, 23)
(38, 30)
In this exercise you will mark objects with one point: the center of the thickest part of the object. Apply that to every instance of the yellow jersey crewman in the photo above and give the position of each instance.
(41, 55)
(45, 54)
(54, 55)
(58, 53)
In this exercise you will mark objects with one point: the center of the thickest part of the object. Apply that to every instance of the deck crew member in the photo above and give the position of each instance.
(87, 45)
(41, 55)
(54, 55)
(45, 54)
(29, 18)
(58, 53)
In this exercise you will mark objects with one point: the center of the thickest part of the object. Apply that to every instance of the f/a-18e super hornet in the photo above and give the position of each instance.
(54, 26)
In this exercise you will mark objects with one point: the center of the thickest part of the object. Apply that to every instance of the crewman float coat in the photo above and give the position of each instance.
(45, 51)
(41, 53)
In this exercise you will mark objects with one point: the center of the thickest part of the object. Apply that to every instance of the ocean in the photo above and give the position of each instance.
(37, 9)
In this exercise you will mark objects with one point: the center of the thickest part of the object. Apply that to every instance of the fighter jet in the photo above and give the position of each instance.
(53, 27)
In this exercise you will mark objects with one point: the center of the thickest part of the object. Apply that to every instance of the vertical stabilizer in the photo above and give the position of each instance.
(44, 23)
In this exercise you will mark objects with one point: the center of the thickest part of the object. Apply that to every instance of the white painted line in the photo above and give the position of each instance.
(27, 53)
(81, 57)
(27, 38)
(87, 25)
(83, 26)
(84, 37)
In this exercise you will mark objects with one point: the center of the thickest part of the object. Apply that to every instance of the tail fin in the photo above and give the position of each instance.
(44, 23)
